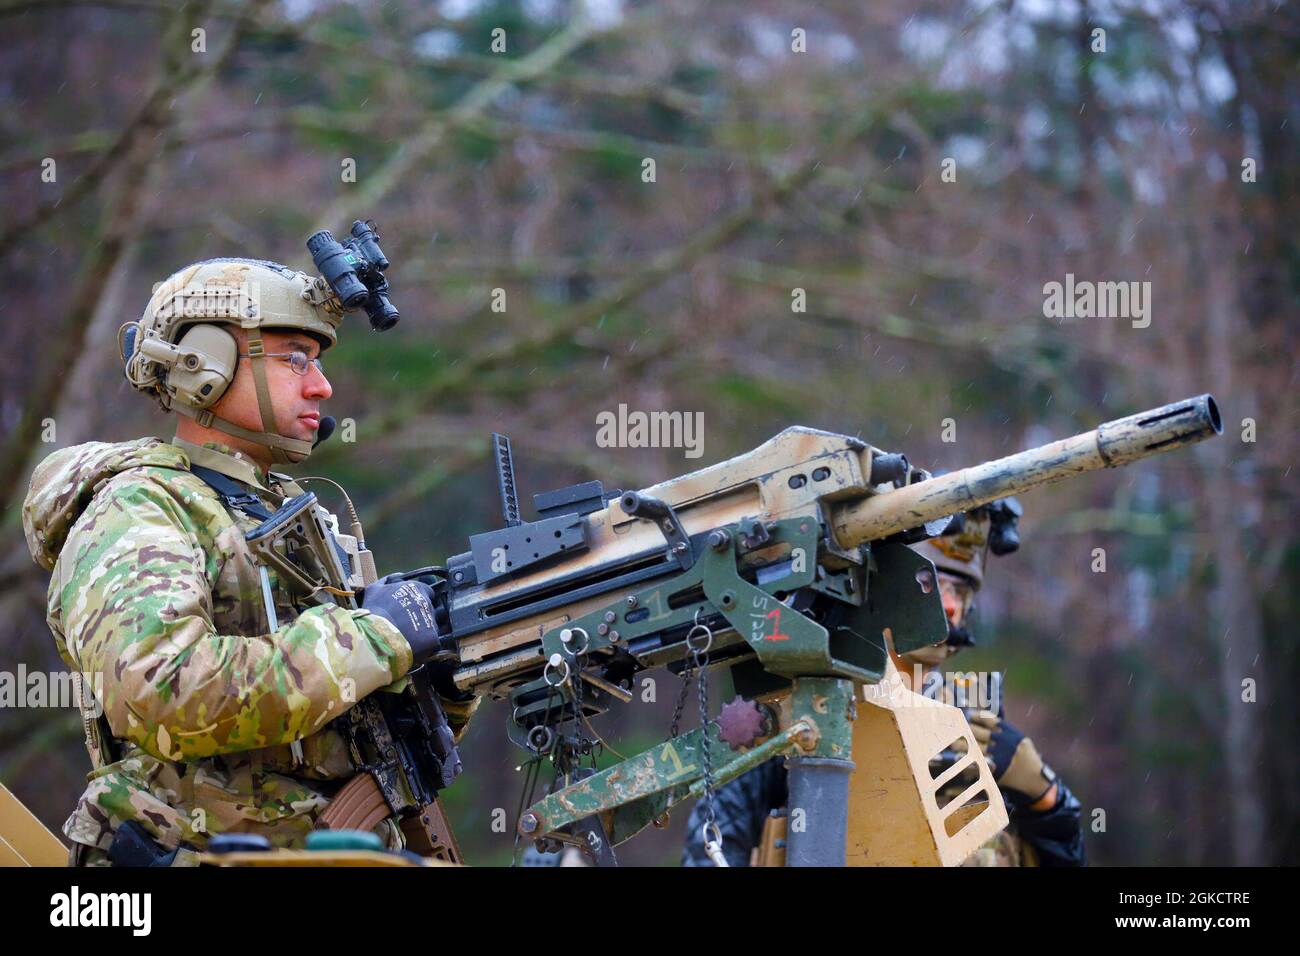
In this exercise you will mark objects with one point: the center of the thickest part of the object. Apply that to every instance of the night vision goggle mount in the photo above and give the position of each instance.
(1004, 524)
(354, 269)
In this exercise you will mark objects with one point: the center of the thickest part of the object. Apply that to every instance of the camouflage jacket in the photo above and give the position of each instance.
(218, 724)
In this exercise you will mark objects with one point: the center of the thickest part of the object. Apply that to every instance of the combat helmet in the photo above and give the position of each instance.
(180, 353)
(965, 543)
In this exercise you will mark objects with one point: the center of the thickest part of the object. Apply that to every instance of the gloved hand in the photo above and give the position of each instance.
(409, 606)
(1012, 756)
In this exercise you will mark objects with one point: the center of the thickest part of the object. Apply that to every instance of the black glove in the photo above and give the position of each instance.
(1054, 834)
(1012, 756)
(409, 606)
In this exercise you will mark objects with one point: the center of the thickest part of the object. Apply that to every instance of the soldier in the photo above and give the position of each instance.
(1044, 827)
(216, 687)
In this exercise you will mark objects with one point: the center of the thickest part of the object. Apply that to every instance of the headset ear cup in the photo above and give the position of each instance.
(209, 354)
(128, 341)
(126, 336)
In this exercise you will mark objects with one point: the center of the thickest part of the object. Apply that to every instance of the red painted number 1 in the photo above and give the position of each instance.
(776, 635)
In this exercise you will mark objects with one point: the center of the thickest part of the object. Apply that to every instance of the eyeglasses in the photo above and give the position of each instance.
(298, 361)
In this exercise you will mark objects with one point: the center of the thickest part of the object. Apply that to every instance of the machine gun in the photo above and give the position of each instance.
(789, 566)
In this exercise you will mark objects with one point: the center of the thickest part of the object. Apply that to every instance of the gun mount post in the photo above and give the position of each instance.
(819, 780)
(819, 789)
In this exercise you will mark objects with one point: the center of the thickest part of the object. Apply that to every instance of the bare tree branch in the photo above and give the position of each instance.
(139, 155)
(417, 149)
(664, 265)
(178, 76)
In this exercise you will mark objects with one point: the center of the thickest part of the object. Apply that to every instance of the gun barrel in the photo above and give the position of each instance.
(1111, 445)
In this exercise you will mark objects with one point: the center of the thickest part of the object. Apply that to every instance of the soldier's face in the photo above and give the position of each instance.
(957, 595)
(295, 398)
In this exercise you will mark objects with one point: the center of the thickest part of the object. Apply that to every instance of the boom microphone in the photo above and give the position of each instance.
(326, 429)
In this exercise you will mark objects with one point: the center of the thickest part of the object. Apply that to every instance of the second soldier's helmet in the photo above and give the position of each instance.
(180, 353)
(964, 545)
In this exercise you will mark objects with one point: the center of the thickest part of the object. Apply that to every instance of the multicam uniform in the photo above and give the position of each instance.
(215, 723)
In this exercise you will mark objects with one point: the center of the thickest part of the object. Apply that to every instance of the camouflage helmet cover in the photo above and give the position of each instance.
(963, 547)
(240, 291)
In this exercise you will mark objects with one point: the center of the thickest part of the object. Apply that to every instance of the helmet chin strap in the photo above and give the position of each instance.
(257, 354)
(284, 450)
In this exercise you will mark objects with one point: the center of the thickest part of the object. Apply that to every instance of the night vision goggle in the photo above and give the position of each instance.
(354, 269)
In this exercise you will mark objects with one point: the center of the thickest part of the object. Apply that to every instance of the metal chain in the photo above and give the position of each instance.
(575, 693)
(701, 659)
(674, 731)
(586, 733)
(710, 832)
(687, 673)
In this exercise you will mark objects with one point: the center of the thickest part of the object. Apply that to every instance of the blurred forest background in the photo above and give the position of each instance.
(796, 146)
